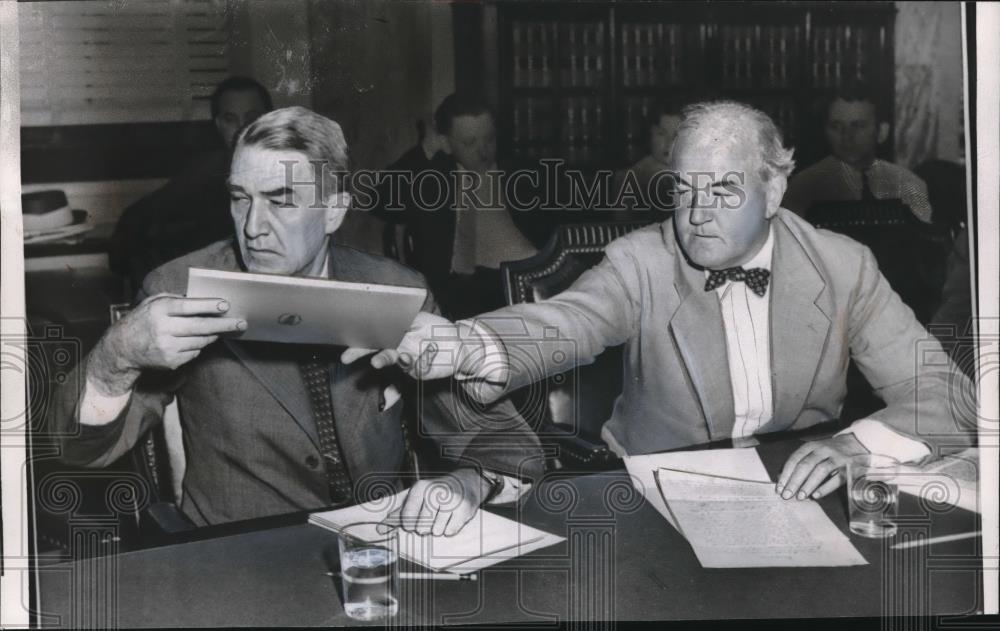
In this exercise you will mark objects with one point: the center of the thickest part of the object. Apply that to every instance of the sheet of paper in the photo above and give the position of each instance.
(952, 480)
(743, 464)
(740, 523)
(486, 540)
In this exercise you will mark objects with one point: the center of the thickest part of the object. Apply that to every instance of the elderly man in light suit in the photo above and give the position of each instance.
(738, 318)
(274, 428)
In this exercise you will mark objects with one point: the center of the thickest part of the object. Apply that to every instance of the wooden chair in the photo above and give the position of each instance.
(577, 403)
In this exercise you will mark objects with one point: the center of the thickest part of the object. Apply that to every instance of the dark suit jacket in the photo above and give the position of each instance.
(428, 213)
(829, 303)
(250, 439)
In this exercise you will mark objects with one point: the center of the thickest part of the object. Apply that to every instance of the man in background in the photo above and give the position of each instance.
(461, 234)
(651, 170)
(192, 209)
(854, 129)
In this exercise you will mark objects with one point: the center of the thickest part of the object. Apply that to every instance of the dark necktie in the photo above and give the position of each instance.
(316, 373)
(756, 279)
(866, 189)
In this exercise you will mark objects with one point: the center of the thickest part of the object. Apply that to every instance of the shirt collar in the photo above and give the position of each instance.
(763, 256)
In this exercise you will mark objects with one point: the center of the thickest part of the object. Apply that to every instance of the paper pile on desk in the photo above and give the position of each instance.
(724, 504)
(486, 540)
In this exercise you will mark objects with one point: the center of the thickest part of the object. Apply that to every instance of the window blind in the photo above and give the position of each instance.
(122, 61)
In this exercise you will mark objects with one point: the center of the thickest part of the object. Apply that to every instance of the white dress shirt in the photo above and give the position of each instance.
(746, 318)
(485, 235)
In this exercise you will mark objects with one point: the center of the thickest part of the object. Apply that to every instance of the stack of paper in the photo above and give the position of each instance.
(486, 540)
(725, 505)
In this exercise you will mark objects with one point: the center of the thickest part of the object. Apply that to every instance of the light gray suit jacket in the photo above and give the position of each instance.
(250, 438)
(828, 303)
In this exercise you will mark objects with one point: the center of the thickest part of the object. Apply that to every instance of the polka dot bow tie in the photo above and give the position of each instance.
(756, 278)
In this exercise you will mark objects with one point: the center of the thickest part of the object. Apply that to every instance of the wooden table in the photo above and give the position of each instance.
(621, 560)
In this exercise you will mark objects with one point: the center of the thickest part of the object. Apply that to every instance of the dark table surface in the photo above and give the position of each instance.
(621, 560)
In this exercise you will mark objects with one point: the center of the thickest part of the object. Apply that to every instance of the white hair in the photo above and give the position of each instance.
(742, 122)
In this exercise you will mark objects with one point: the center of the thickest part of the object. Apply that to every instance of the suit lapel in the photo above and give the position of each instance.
(279, 373)
(276, 367)
(352, 387)
(799, 326)
(698, 331)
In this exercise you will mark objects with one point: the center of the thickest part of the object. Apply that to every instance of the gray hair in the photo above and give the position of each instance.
(739, 121)
(300, 129)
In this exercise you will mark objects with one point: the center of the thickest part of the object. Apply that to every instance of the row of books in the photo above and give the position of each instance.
(650, 53)
(838, 55)
(578, 57)
(580, 119)
(576, 54)
(574, 127)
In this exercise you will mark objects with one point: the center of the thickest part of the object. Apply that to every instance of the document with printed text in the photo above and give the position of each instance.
(743, 464)
(486, 540)
(733, 522)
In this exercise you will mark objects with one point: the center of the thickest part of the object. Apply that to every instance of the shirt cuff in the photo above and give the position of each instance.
(493, 372)
(879, 438)
(99, 409)
(513, 490)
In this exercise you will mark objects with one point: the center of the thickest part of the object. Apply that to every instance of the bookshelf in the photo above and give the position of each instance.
(576, 80)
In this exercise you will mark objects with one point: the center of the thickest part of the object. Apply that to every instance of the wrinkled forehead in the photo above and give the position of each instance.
(720, 147)
(262, 169)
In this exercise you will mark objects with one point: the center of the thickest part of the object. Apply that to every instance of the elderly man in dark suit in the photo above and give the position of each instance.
(738, 318)
(272, 428)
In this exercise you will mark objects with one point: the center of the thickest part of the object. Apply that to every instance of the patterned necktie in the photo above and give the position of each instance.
(756, 279)
(866, 189)
(316, 373)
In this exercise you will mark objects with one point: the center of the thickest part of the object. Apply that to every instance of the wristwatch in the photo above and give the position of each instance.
(496, 484)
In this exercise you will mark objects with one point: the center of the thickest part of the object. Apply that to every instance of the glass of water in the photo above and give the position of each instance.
(369, 570)
(872, 495)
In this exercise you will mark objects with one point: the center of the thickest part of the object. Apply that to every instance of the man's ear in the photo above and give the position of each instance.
(883, 132)
(776, 187)
(337, 205)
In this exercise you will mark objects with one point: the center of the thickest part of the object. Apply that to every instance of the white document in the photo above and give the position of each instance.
(486, 540)
(742, 464)
(311, 310)
(952, 480)
(744, 523)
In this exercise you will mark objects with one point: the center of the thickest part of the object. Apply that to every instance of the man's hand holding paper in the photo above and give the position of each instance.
(164, 332)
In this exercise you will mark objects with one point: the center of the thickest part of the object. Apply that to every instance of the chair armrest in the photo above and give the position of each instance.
(578, 452)
(166, 518)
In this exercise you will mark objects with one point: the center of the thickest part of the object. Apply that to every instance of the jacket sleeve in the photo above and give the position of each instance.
(100, 445)
(493, 436)
(599, 310)
(927, 398)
